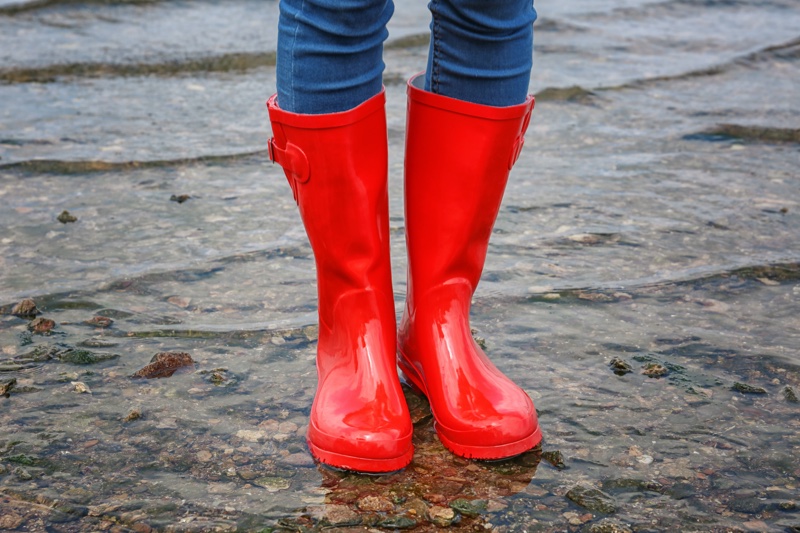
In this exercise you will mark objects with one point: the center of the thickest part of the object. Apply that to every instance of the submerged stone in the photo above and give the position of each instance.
(164, 364)
(100, 322)
(655, 370)
(84, 357)
(610, 525)
(397, 522)
(747, 505)
(41, 325)
(6, 385)
(592, 499)
(25, 308)
(744, 388)
(789, 395)
(442, 516)
(65, 217)
(620, 367)
(469, 507)
(555, 458)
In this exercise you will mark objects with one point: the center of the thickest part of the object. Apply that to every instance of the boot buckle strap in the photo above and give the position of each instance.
(291, 158)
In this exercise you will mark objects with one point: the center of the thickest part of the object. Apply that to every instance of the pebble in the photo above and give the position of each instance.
(375, 504)
(100, 322)
(134, 414)
(592, 499)
(65, 217)
(469, 507)
(609, 525)
(25, 308)
(744, 388)
(340, 516)
(441, 516)
(789, 395)
(204, 456)
(11, 521)
(620, 367)
(655, 370)
(41, 325)
(164, 365)
(80, 387)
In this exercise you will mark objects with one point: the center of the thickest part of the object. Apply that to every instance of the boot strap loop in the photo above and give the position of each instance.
(291, 158)
(516, 150)
(520, 140)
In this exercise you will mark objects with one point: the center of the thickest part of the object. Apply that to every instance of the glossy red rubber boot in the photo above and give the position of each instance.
(337, 167)
(458, 157)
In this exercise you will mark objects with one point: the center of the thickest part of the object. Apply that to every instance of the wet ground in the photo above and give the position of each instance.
(643, 283)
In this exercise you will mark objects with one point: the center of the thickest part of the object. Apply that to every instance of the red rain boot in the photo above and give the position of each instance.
(337, 167)
(458, 156)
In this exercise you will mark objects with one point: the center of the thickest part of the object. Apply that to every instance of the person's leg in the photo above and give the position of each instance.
(329, 135)
(463, 135)
(481, 51)
(330, 52)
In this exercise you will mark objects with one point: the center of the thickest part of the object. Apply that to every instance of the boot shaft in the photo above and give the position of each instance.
(458, 157)
(337, 166)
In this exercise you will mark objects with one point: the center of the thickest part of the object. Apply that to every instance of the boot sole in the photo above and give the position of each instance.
(470, 451)
(361, 464)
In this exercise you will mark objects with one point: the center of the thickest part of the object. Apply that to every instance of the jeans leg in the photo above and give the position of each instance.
(330, 53)
(481, 51)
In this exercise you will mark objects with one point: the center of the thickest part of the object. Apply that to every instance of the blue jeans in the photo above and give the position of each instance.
(330, 52)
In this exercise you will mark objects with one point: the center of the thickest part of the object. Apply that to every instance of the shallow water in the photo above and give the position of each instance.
(652, 220)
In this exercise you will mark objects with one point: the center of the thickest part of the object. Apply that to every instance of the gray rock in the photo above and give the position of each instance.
(610, 525)
(592, 499)
(747, 505)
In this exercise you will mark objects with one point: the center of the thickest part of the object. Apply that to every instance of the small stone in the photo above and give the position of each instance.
(11, 521)
(84, 357)
(469, 507)
(298, 459)
(555, 458)
(180, 301)
(747, 505)
(789, 395)
(341, 516)
(141, 527)
(180, 198)
(25, 308)
(645, 459)
(681, 491)
(6, 385)
(164, 365)
(22, 474)
(620, 367)
(272, 483)
(41, 325)
(90, 443)
(441, 516)
(245, 473)
(655, 370)
(375, 504)
(592, 499)
(251, 435)
(744, 388)
(609, 525)
(65, 217)
(80, 387)
(204, 456)
(99, 322)
(397, 522)
(135, 414)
